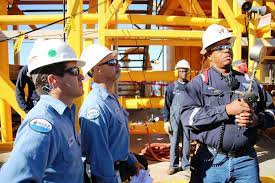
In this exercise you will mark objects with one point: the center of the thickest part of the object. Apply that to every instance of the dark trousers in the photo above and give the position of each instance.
(178, 132)
(125, 170)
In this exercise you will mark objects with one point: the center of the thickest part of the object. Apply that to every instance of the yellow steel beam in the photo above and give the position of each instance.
(169, 42)
(75, 35)
(124, 7)
(227, 12)
(122, 19)
(148, 75)
(189, 11)
(142, 103)
(113, 8)
(29, 19)
(86, 85)
(169, 34)
(187, 8)
(271, 6)
(8, 94)
(14, 10)
(198, 8)
(237, 29)
(163, 20)
(5, 110)
(215, 8)
(6, 147)
(75, 38)
(101, 22)
(147, 128)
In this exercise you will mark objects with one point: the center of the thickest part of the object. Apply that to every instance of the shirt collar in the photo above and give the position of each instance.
(58, 105)
(103, 92)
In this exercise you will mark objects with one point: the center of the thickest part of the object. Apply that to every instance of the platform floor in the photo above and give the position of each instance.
(265, 151)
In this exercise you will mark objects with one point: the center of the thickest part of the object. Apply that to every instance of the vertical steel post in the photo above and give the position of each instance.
(5, 110)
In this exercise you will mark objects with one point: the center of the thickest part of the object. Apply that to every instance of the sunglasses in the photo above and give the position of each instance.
(74, 71)
(113, 62)
(222, 47)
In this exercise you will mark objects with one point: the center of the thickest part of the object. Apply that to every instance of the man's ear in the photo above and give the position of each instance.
(52, 79)
(96, 69)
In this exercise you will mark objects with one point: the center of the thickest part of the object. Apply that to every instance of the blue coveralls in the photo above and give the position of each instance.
(226, 152)
(172, 108)
(47, 147)
(178, 131)
(32, 97)
(104, 134)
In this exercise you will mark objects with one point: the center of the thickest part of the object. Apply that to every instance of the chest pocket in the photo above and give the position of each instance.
(119, 115)
(212, 96)
(70, 150)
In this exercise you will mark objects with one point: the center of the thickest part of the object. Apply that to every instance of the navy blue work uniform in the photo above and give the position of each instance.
(104, 134)
(172, 116)
(226, 151)
(32, 97)
(47, 146)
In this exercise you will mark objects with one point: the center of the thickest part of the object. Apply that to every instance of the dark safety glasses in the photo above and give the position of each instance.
(183, 70)
(74, 71)
(222, 47)
(113, 62)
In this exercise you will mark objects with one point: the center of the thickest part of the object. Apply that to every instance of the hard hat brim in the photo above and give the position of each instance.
(80, 63)
(232, 39)
(85, 73)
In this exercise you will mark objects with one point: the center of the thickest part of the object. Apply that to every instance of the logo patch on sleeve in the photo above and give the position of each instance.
(40, 125)
(93, 114)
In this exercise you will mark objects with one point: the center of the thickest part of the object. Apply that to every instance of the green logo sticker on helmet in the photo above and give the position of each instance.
(52, 53)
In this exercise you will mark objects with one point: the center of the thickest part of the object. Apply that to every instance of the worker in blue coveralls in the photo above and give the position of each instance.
(220, 117)
(26, 104)
(104, 122)
(47, 146)
(172, 123)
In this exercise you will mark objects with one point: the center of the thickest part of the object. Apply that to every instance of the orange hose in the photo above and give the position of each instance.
(156, 151)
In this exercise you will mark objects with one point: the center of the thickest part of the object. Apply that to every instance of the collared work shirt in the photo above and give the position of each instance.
(47, 147)
(104, 133)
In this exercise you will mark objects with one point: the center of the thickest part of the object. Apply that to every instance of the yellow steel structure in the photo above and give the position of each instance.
(108, 14)
(142, 103)
(5, 110)
(75, 37)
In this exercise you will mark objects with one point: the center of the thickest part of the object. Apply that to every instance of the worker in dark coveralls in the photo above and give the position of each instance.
(221, 121)
(172, 123)
(32, 98)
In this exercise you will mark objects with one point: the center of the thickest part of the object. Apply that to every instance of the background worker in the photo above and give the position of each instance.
(104, 123)
(47, 147)
(221, 121)
(173, 125)
(26, 104)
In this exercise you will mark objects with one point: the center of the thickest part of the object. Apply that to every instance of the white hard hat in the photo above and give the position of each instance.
(182, 64)
(47, 52)
(214, 33)
(92, 55)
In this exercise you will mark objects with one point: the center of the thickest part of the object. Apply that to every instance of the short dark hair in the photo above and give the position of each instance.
(40, 76)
